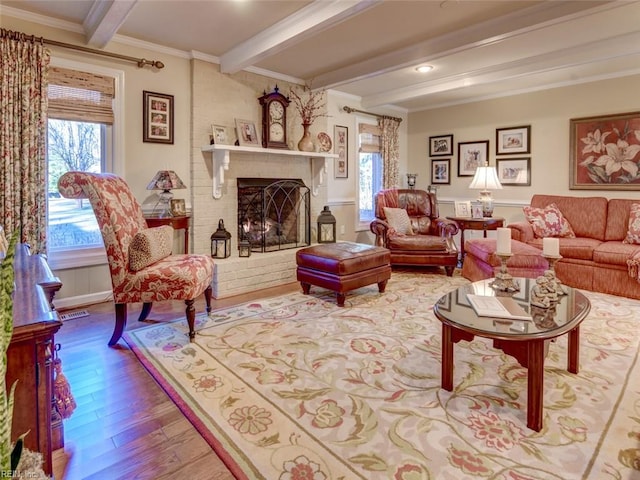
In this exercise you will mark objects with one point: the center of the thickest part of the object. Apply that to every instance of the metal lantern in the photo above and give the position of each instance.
(411, 180)
(244, 248)
(221, 242)
(326, 226)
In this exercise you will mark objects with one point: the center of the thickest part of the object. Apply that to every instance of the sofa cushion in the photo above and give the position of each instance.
(586, 215)
(398, 219)
(614, 253)
(579, 248)
(418, 243)
(618, 214)
(150, 245)
(633, 230)
(548, 222)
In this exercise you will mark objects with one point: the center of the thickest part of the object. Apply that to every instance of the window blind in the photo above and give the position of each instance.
(80, 96)
(369, 138)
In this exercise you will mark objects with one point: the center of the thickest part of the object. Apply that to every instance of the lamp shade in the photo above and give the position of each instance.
(486, 178)
(165, 180)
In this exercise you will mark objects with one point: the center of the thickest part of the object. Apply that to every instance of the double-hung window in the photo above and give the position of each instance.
(80, 136)
(369, 171)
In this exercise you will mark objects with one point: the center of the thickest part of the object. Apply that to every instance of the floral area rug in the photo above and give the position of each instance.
(294, 387)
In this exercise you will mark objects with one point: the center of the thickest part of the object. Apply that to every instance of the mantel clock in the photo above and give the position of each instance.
(274, 119)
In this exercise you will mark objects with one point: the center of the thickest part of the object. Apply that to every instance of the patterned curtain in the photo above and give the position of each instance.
(23, 106)
(390, 150)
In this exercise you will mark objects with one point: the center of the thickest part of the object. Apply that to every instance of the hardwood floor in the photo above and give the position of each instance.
(125, 426)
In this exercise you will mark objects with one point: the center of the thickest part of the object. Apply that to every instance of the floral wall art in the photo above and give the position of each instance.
(605, 152)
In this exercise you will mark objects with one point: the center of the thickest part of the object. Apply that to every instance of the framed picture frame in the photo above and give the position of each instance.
(514, 171)
(472, 155)
(247, 133)
(157, 117)
(441, 146)
(513, 140)
(476, 210)
(178, 208)
(222, 135)
(462, 209)
(440, 171)
(594, 142)
(341, 148)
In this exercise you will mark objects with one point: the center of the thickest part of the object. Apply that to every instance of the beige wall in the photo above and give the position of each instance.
(548, 112)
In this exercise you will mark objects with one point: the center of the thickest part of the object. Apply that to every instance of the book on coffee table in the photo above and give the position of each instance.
(497, 307)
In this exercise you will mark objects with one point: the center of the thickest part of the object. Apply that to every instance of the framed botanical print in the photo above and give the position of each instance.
(441, 146)
(157, 117)
(513, 140)
(472, 155)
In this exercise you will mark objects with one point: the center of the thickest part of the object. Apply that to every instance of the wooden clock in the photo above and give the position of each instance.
(274, 119)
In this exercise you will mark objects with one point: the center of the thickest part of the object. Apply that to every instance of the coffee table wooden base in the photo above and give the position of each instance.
(529, 353)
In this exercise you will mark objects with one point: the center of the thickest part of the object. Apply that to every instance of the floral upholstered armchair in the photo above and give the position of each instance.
(408, 224)
(141, 264)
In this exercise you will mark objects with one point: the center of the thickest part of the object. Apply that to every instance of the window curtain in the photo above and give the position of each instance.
(390, 150)
(23, 107)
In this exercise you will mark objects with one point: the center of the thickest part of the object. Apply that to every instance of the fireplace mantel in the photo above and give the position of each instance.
(221, 156)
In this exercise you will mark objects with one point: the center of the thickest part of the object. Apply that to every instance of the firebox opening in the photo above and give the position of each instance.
(274, 214)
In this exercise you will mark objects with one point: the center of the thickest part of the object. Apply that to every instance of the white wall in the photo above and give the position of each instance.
(548, 112)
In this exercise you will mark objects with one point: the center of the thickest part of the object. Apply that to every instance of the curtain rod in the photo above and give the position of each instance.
(141, 62)
(351, 110)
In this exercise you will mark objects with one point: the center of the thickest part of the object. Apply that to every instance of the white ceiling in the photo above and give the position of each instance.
(369, 48)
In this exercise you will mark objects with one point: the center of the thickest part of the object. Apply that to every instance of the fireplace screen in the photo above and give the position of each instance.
(273, 214)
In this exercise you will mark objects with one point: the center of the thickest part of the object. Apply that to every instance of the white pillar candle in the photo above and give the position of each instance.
(551, 247)
(504, 240)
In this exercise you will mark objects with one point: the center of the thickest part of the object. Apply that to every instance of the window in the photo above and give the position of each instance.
(369, 171)
(80, 136)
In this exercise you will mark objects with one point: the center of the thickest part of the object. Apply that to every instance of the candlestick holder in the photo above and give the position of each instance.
(548, 288)
(504, 281)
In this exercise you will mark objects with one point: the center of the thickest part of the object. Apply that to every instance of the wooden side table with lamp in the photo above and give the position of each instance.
(164, 213)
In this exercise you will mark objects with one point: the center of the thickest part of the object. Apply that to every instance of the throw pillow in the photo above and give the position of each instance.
(633, 231)
(150, 245)
(398, 219)
(548, 222)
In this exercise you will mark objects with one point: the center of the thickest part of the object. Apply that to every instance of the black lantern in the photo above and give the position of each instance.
(221, 242)
(244, 248)
(326, 226)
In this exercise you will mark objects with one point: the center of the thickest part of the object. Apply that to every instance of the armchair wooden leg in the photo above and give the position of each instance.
(146, 309)
(207, 298)
(191, 318)
(449, 270)
(121, 322)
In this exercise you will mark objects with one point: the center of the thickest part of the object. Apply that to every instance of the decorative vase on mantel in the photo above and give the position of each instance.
(306, 144)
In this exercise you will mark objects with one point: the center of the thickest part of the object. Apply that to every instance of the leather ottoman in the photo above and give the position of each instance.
(481, 261)
(342, 267)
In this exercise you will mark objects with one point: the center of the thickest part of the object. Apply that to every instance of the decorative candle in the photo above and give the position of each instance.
(551, 247)
(504, 240)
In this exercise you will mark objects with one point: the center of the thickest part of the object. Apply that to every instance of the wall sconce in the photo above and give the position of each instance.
(221, 242)
(411, 180)
(244, 248)
(326, 226)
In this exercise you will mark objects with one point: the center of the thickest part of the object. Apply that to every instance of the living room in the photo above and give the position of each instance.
(204, 96)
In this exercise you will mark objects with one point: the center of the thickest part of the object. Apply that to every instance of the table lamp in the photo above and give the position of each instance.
(165, 180)
(486, 178)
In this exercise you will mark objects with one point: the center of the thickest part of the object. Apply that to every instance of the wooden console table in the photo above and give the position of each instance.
(30, 355)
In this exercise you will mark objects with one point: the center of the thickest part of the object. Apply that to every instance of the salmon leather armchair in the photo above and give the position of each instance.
(141, 264)
(408, 224)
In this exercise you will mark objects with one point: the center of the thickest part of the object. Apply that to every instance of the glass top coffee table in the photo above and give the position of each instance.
(525, 340)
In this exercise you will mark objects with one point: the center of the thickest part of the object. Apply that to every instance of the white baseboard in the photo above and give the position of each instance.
(81, 300)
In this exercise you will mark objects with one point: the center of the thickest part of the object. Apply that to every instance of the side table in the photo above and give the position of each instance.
(178, 222)
(470, 223)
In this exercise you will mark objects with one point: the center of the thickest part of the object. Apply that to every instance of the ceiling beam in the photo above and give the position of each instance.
(497, 30)
(312, 19)
(104, 19)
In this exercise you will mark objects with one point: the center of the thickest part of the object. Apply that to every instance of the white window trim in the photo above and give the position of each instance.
(361, 225)
(83, 257)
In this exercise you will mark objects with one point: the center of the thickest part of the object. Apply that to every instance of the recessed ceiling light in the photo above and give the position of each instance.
(424, 68)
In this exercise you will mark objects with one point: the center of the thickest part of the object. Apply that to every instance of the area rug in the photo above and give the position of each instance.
(294, 387)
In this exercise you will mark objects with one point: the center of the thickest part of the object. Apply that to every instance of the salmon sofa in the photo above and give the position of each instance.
(596, 259)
